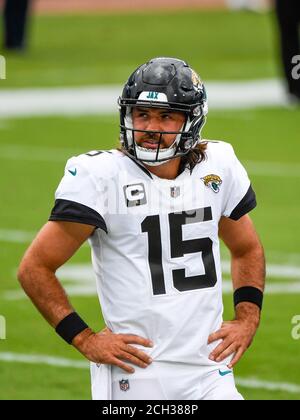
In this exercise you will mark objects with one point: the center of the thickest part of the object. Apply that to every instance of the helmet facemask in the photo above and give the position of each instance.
(152, 85)
(186, 138)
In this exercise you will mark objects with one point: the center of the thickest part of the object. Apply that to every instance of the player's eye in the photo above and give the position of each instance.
(166, 116)
(142, 115)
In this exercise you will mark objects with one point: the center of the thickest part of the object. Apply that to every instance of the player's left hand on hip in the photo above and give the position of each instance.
(236, 337)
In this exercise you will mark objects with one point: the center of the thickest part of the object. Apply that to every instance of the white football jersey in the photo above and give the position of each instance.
(155, 251)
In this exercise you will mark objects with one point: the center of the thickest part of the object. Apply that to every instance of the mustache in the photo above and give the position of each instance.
(152, 136)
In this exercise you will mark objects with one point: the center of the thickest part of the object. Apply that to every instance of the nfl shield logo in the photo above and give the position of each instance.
(175, 192)
(124, 385)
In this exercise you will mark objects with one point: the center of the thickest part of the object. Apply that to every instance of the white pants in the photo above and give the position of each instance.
(165, 381)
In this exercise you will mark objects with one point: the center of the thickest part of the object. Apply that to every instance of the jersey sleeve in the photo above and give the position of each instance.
(240, 196)
(76, 197)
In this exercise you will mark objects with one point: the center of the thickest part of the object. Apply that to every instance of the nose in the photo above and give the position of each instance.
(153, 124)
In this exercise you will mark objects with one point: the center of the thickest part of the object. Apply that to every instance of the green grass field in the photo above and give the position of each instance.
(33, 152)
(104, 49)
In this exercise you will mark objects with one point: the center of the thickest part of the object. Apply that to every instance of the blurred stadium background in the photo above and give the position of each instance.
(59, 99)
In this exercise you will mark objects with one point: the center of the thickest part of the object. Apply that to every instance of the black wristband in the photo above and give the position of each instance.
(70, 326)
(248, 294)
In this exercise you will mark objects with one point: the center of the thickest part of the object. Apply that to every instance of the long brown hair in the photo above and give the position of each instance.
(194, 156)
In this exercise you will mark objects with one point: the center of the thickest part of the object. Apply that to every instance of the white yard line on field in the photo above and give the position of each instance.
(103, 99)
(252, 383)
(273, 270)
(287, 288)
(60, 155)
(36, 153)
(16, 236)
(267, 385)
(84, 271)
(59, 101)
(89, 290)
(79, 280)
(43, 360)
(273, 169)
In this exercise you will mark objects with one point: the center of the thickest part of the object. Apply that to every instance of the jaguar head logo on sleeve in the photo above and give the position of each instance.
(212, 181)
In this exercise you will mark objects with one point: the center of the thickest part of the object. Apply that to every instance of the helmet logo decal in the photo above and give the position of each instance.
(153, 96)
(212, 181)
(196, 81)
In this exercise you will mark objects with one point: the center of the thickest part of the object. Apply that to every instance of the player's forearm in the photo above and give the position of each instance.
(248, 269)
(46, 292)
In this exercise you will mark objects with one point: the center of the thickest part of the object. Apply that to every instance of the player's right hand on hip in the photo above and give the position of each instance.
(113, 349)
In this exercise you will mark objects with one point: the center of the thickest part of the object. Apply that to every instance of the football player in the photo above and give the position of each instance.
(153, 212)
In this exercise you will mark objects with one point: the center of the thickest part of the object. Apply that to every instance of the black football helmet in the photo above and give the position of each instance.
(163, 83)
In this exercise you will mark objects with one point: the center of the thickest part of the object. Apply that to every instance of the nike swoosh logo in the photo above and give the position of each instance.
(226, 372)
(74, 173)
